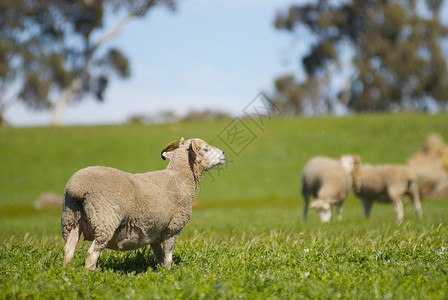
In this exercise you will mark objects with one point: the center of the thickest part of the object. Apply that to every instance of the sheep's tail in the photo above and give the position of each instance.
(71, 214)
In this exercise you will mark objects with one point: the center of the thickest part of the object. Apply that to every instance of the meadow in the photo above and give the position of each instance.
(246, 238)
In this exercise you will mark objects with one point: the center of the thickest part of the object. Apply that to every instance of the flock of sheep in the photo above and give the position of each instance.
(329, 181)
(124, 211)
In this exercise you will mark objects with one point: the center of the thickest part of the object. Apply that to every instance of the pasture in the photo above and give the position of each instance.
(246, 238)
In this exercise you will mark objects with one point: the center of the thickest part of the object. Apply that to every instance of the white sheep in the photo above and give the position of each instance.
(385, 183)
(123, 211)
(328, 180)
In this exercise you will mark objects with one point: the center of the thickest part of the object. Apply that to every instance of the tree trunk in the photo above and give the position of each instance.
(3, 104)
(3, 122)
(64, 101)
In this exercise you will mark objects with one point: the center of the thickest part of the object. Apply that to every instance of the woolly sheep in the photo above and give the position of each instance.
(328, 180)
(385, 183)
(123, 211)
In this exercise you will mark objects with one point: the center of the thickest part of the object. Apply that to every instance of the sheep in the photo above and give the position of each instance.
(124, 211)
(385, 183)
(328, 180)
(431, 165)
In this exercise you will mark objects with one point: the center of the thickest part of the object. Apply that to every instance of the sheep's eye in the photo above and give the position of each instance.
(198, 148)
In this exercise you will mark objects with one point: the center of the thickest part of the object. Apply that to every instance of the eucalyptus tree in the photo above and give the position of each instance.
(397, 61)
(57, 49)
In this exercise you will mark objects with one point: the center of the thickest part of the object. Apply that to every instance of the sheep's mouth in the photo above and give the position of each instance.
(222, 160)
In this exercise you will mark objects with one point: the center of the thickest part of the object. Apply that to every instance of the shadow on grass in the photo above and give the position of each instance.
(135, 262)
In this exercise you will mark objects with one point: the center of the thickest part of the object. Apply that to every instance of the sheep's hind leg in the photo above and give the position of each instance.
(367, 207)
(71, 244)
(93, 254)
(398, 205)
(340, 209)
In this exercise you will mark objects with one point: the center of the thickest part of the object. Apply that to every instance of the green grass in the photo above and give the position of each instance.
(245, 239)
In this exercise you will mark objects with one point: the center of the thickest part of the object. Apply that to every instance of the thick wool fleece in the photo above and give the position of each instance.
(325, 178)
(135, 209)
(379, 180)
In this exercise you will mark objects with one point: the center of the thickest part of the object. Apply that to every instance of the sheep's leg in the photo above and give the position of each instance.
(416, 200)
(395, 195)
(398, 205)
(367, 206)
(168, 246)
(93, 254)
(340, 211)
(305, 207)
(158, 252)
(70, 246)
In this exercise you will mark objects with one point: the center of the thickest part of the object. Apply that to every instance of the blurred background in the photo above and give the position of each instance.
(116, 61)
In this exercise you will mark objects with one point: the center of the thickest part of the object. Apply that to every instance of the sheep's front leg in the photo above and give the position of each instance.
(158, 252)
(305, 207)
(416, 201)
(367, 206)
(168, 246)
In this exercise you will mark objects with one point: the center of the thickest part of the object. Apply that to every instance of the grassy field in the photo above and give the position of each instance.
(245, 238)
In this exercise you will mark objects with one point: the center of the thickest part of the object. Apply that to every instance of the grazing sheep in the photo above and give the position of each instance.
(431, 162)
(385, 183)
(123, 211)
(431, 165)
(328, 180)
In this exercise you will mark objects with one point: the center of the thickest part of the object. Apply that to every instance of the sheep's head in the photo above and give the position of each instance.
(323, 206)
(213, 156)
(199, 152)
(350, 162)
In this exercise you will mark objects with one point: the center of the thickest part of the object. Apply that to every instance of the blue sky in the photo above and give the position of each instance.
(210, 54)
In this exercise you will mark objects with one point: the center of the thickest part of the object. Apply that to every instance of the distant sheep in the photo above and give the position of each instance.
(431, 165)
(328, 180)
(385, 183)
(123, 211)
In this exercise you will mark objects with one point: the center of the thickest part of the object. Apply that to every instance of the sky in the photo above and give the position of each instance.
(209, 54)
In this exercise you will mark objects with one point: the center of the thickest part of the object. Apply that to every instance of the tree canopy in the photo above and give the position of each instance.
(49, 49)
(398, 60)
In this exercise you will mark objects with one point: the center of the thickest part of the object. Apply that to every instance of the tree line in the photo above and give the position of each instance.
(52, 52)
(397, 62)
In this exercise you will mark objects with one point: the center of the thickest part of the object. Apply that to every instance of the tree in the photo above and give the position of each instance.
(11, 24)
(61, 57)
(398, 62)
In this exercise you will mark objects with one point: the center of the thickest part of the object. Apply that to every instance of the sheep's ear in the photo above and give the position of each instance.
(170, 147)
(168, 155)
(181, 141)
(194, 147)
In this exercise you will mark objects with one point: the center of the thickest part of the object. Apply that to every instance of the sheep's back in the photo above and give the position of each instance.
(377, 178)
(326, 176)
(101, 185)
